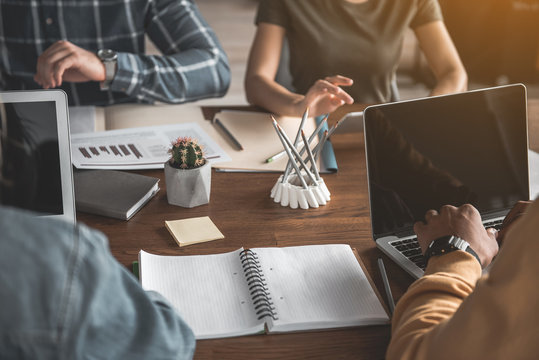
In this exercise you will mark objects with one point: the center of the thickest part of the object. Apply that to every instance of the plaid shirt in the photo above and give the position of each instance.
(193, 65)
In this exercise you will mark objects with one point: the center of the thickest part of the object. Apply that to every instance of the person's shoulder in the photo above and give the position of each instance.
(11, 217)
(17, 224)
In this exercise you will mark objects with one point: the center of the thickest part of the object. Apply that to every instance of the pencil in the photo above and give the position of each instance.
(297, 156)
(390, 301)
(318, 149)
(290, 157)
(280, 154)
(288, 168)
(311, 157)
(315, 132)
(228, 133)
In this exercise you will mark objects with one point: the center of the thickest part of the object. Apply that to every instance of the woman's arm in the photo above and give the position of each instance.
(442, 57)
(261, 89)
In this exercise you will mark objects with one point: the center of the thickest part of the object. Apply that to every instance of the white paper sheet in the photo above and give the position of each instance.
(208, 291)
(137, 148)
(82, 119)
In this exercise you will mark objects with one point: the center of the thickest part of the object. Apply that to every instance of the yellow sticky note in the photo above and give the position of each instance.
(193, 231)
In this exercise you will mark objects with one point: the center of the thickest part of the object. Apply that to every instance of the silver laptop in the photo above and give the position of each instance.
(36, 170)
(454, 149)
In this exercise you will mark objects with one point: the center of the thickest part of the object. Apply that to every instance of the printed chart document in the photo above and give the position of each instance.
(279, 289)
(137, 148)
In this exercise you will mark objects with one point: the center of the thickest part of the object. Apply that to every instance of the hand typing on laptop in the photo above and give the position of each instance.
(516, 212)
(463, 222)
(457, 312)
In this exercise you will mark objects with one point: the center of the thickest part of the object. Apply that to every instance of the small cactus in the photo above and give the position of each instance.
(186, 153)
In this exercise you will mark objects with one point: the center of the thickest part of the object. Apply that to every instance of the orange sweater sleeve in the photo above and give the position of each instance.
(450, 314)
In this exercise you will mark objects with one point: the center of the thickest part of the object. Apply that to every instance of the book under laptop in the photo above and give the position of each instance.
(421, 154)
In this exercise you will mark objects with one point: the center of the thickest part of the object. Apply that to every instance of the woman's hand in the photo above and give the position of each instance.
(326, 95)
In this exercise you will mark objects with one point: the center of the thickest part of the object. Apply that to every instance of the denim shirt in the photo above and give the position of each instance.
(64, 296)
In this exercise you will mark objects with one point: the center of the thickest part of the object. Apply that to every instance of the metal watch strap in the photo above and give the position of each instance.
(446, 244)
(109, 59)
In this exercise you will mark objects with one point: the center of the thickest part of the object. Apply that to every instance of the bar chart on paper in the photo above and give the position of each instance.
(138, 148)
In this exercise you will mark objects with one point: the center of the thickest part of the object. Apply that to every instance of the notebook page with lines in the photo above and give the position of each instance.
(318, 287)
(282, 289)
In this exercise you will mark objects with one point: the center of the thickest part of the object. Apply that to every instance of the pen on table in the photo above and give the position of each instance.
(228, 133)
(390, 301)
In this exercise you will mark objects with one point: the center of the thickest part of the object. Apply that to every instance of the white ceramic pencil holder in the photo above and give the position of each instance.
(304, 188)
(291, 192)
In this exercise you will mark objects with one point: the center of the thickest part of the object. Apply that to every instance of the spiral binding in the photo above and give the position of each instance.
(257, 285)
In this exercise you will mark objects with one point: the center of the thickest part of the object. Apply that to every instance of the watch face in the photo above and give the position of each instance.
(107, 54)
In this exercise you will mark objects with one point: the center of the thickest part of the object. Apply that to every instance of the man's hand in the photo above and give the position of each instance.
(326, 95)
(64, 61)
(464, 222)
(516, 212)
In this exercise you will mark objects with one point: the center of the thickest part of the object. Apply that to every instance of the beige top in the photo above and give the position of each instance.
(450, 314)
(362, 41)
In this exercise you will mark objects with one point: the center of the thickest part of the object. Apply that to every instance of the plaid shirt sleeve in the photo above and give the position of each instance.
(193, 65)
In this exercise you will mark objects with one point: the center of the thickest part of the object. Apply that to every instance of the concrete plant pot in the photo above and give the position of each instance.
(188, 187)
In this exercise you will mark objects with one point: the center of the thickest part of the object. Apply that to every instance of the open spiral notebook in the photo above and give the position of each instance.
(266, 289)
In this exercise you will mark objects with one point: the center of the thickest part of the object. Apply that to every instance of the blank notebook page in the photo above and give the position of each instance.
(208, 291)
(319, 286)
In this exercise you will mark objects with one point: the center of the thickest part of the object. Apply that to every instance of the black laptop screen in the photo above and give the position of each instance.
(463, 148)
(31, 163)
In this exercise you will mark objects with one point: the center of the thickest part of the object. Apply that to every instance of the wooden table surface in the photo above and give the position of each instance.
(242, 209)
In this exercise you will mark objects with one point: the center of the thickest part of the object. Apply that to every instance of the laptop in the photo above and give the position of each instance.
(36, 172)
(421, 154)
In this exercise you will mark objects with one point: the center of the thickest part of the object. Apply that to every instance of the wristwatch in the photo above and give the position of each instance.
(446, 244)
(110, 60)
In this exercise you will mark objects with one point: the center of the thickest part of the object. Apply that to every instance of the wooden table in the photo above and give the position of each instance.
(241, 208)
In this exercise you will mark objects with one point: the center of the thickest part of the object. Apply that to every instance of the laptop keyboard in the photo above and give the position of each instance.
(410, 247)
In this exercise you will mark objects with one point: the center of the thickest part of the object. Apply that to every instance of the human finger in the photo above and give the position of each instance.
(46, 64)
(430, 214)
(517, 211)
(324, 88)
(447, 211)
(335, 90)
(60, 67)
(340, 80)
(492, 233)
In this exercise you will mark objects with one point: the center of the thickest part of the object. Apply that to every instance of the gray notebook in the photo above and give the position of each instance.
(116, 194)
